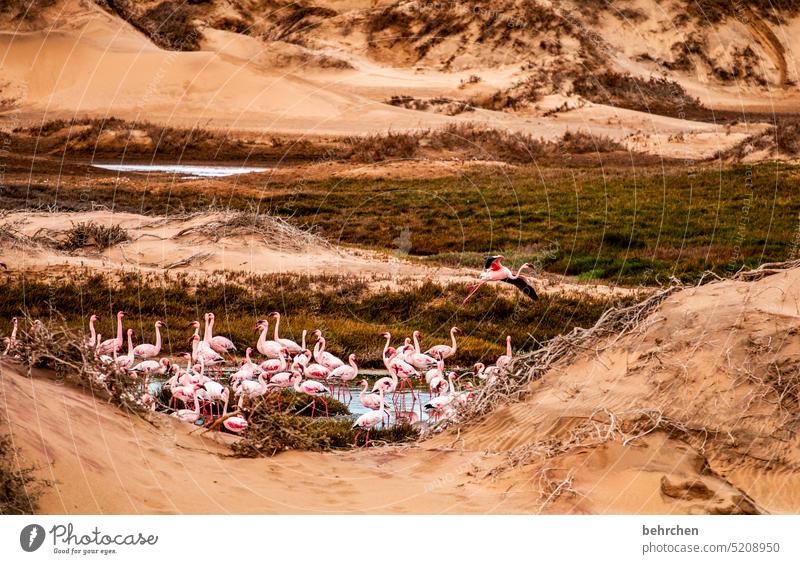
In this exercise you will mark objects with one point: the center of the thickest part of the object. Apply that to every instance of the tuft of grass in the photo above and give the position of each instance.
(19, 487)
(92, 234)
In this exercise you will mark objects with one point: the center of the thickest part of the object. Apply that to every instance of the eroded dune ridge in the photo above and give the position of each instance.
(693, 411)
(356, 68)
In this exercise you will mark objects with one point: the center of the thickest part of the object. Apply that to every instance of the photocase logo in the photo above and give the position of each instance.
(31, 538)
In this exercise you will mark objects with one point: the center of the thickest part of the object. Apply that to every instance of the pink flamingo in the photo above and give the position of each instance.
(418, 360)
(189, 415)
(312, 388)
(344, 375)
(406, 347)
(218, 344)
(247, 371)
(316, 371)
(326, 359)
(494, 271)
(446, 351)
(290, 345)
(110, 346)
(304, 357)
(368, 420)
(152, 367)
(434, 372)
(126, 361)
(251, 390)
(273, 365)
(92, 332)
(271, 349)
(235, 424)
(11, 340)
(147, 350)
(147, 399)
(503, 360)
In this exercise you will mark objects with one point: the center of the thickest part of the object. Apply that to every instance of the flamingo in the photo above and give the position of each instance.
(446, 351)
(92, 332)
(302, 358)
(418, 360)
(406, 347)
(235, 423)
(248, 371)
(250, 389)
(271, 349)
(149, 351)
(434, 372)
(126, 361)
(111, 346)
(494, 271)
(503, 360)
(290, 345)
(201, 351)
(11, 340)
(345, 374)
(323, 357)
(214, 392)
(189, 415)
(219, 344)
(147, 399)
(486, 372)
(315, 370)
(312, 388)
(152, 367)
(368, 420)
(274, 365)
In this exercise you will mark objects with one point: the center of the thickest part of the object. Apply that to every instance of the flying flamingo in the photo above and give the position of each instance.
(446, 351)
(12, 339)
(218, 344)
(92, 332)
(290, 345)
(503, 360)
(344, 375)
(147, 350)
(368, 421)
(494, 271)
(312, 388)
(271, 349)
(110, 346)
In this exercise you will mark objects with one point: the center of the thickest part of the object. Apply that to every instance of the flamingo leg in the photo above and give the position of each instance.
(472, 289)
(313, 405)
(355, 442)
(366, 445)
(326, 406)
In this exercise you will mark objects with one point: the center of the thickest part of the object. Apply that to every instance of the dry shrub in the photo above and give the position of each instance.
(19, 487)
(65, 352)
(271, 431)
(170, 25)
(658, 95)
(92, 234)
(380, 147)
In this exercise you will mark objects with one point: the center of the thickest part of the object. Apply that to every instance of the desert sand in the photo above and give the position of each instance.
(685, 414)
(81, 61)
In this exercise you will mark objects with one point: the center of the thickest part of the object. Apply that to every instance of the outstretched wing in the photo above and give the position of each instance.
(523, 286)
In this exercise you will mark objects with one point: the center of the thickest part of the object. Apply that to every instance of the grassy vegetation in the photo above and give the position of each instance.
(350, 315)
(629, 225)
(19, 488)
(271, 431)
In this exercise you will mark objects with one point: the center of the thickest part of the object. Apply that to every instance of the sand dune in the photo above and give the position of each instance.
(85, 62)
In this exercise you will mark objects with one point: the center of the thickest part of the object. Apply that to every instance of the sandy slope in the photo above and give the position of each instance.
(707, 366)
(85, 62)
(158, 244)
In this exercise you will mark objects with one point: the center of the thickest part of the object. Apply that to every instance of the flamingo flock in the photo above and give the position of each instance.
(197, 390)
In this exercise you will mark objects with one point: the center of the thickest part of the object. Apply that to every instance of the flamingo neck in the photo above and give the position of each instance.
(92, 332)
(158, 339)
(304, 339)
(416, 342)
(508, 346)
(130, 347)
(450, 385)
(119, 331)
(207, 331)
(453, 340)
(277, 324)
(262, 339)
